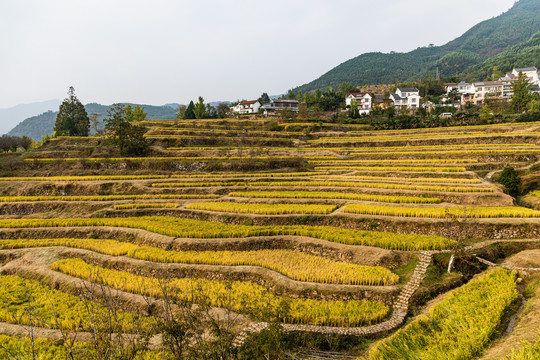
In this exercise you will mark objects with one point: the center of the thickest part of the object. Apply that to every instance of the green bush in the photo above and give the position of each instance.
(511, 180)
(529, 117)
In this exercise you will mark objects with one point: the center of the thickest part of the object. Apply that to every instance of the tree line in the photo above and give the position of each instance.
(13, 143)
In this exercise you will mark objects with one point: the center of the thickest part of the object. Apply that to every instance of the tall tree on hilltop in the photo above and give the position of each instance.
(127, 137)
(264, 99)
(72, 119)
(135, 113)
(522, 93)
(200, 109)
(190, 113)
(181, 112)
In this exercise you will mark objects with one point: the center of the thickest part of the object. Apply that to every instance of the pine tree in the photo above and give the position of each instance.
(72, 119)
(200, 109)
(264, 99)
(190, 113)
(522, 93)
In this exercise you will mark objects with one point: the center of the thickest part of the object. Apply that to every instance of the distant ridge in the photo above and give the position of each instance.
(38, 126)
(9, 117)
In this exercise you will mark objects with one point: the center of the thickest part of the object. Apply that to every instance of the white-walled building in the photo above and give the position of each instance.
(530, 72)
(508, 81)
(406, 98)
(247, 107)
(485, 89)
(462, 88)
(364, 101)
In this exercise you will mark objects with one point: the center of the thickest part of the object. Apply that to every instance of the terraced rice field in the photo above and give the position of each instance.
(271, 225)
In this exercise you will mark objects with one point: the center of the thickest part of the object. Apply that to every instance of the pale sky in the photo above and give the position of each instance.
(163, 51)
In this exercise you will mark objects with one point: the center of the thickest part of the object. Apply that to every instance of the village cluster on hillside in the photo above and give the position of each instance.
(457, 95)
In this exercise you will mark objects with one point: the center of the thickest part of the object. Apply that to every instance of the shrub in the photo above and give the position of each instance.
(511, 180)
(529, 117)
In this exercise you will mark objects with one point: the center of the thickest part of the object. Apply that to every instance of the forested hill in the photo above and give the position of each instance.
(524, 54)
(480, 43)
(38, 126)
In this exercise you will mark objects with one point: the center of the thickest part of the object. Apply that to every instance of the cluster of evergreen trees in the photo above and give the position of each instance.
(72, 120)
(200, 110)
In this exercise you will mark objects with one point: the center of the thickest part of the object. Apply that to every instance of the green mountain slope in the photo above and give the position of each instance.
(38, 126)
(481, 42)
(522, 55)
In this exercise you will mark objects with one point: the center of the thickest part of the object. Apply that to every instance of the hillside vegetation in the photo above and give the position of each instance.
(476, 46)
(36, 127)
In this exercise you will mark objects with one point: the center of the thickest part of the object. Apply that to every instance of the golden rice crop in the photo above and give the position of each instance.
(449, 152)
(419, 137)
(535, 193)
(78, 137)
(236, 139)
(187, 228)
(152, 177)
(52, 349)
(105, 246)
(526, 351)
(265, 132)
(242, 295)
(147, 206)
(104, 197)
(294, 264)
(458, 327)
(457, 127)
(355, 184)
(263, 209)
(177, 158)
(265, 148)
(49, 305)
(333, 195)
(84, 178)
(402, 179)
(394, 168)
(44, 349)
(443, 212)
(448, 146)
(395, 161)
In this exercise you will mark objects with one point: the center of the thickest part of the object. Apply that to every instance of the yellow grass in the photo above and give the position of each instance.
(243, 296)
(263, 209)
(293, 264)
(443, 212)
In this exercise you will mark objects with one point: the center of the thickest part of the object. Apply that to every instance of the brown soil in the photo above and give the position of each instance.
(525, 259)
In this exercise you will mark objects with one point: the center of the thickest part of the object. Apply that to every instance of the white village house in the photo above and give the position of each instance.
(406, 98)
(247, 107)
(477, 92)
(485, 89)
(363, 100)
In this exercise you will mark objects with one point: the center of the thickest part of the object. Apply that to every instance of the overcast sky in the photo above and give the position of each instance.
(163, 51)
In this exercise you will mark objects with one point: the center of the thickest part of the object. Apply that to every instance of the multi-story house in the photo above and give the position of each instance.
(487, 89)
(508, 81)
(247, 107)
(363, 100)
(408, 98)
